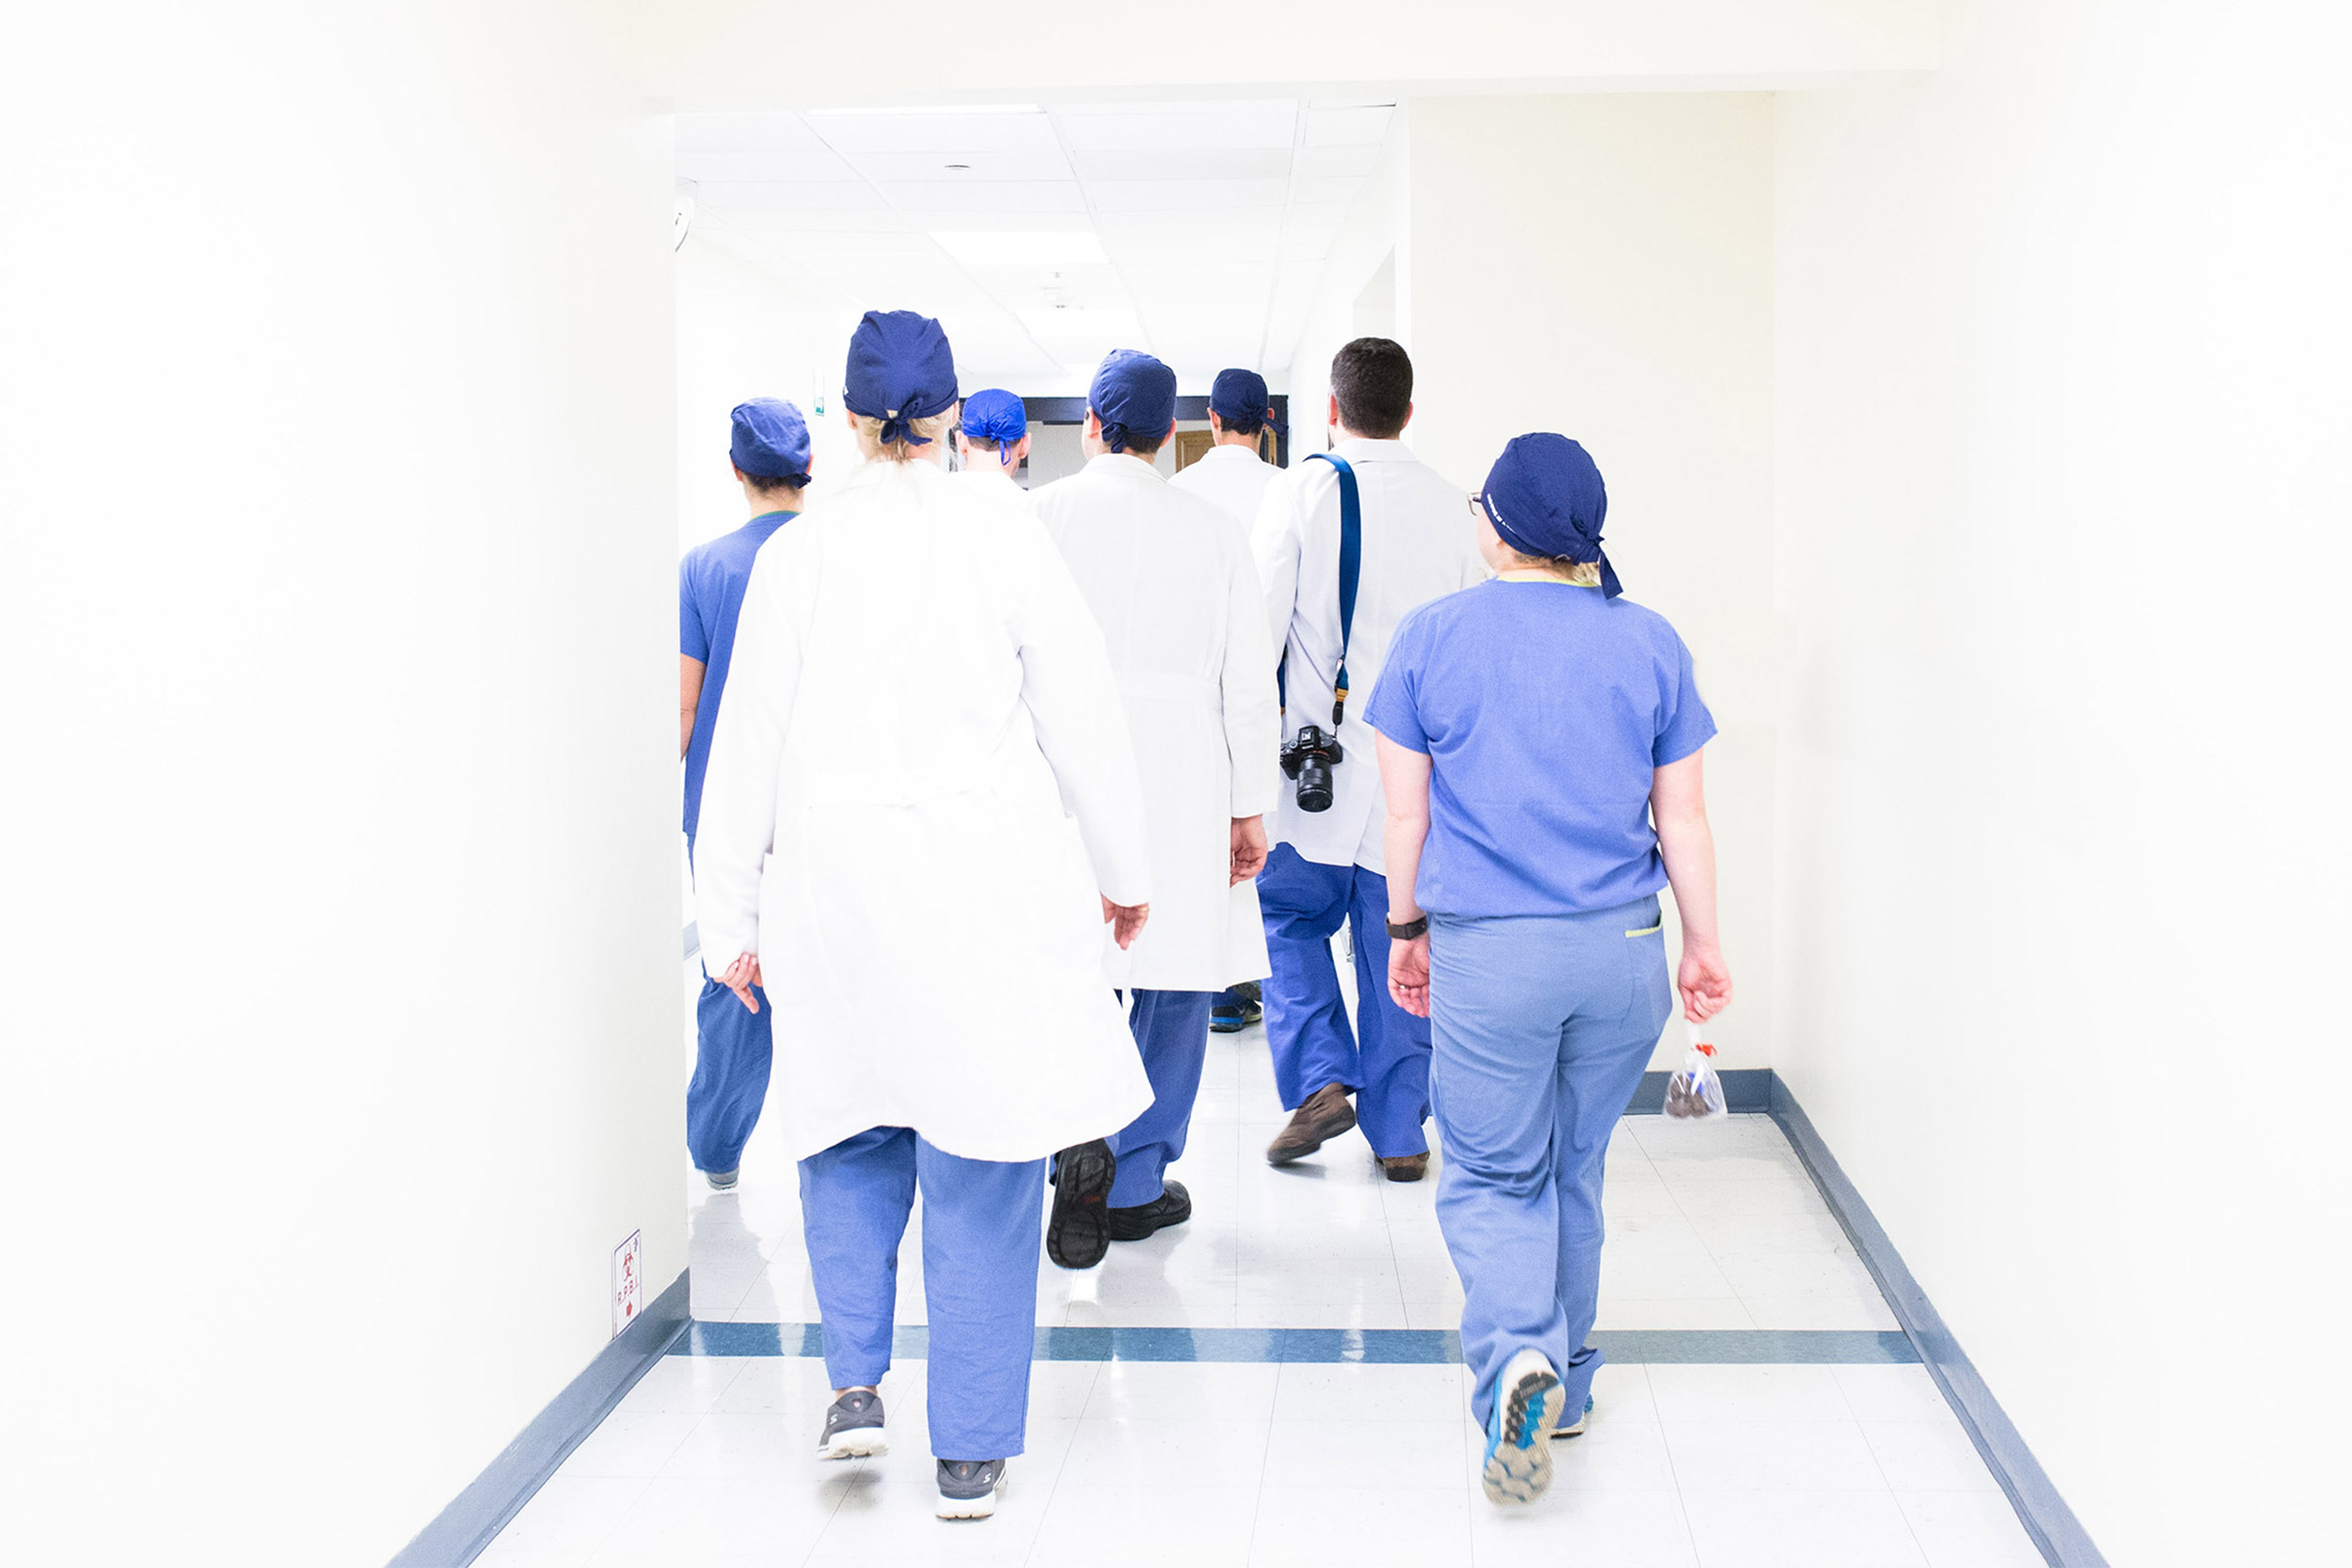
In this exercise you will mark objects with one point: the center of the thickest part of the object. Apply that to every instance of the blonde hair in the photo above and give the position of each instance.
(869, 441)
(1581, 573)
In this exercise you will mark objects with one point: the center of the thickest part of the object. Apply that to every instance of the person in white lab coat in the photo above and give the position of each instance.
(1233, 477)
(920, 809)
(1326, 864)
(993, 442)
(1169, 578)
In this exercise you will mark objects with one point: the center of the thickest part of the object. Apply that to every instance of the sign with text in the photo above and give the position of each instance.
(629, 1280)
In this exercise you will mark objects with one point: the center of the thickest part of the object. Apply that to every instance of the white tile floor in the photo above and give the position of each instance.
(707, 1463)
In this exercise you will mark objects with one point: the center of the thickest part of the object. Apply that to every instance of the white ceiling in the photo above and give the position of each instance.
(1045, 236)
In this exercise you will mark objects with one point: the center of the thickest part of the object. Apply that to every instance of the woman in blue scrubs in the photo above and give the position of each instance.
(1539, 748)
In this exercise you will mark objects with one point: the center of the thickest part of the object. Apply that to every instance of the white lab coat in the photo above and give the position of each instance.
(918, 690)
(989, 479)
(1418, 546)
(1169, 578)
(1232, 479)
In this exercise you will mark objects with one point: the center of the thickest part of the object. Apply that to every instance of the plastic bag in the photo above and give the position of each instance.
(1697, 1091)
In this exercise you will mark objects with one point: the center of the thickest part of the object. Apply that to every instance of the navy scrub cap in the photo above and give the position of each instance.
(1134, 395)
(1545, 497)
(770, 439)
(1238, 395)
(995, 415)
(900, 371)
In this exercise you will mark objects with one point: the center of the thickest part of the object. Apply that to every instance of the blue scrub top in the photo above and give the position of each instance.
(711, 584)
(1543, 709)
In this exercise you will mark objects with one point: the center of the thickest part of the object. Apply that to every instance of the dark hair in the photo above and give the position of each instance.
(980, 443)
(768, 486)
(1143, 448)
(1372, 378)
(1237, 425)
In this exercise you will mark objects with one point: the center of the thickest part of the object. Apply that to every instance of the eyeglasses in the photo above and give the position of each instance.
(1478, 510)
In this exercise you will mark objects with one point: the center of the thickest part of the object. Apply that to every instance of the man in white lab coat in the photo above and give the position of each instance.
(993, 438)
(1326, 864)
(1233, 476)
(1170, 578)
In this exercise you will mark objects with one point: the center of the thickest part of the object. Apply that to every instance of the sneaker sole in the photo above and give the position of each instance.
(1226, 1025)
(1079, 1234)
(969, 1508)
(857, 1443)
(1516, 1475)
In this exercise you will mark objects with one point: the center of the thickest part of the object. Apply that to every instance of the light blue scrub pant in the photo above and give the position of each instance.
(1172, 1030)
(1385, 1060)
(1542, 1026)
(734, 1049)
(983, 1223)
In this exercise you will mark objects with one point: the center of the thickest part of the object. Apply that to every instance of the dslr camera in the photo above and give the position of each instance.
(1310, 758)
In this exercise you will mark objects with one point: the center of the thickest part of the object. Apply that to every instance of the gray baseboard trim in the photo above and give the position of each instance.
(2059, 1536)
(471, 1523)
(1746, 1090)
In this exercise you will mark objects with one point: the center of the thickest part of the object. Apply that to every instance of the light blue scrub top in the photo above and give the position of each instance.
(1543, 709)
(711, 584)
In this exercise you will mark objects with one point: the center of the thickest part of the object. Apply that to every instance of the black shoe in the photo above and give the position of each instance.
(1078, 1234)
(1244, 1008)
(1172, 1207)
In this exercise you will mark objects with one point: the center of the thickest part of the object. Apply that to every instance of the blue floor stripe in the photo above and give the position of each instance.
(1372, 1346)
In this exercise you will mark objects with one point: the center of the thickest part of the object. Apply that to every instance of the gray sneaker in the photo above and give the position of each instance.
(853, 1427)
(967, 1487)
(722, 1181)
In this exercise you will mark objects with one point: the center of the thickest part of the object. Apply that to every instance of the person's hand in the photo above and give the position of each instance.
(1705, 982)
(1408, 974)
(1126, 921)
(1248, 848)
(742, 975)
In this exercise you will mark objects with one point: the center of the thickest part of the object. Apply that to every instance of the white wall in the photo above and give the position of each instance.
(2062, 507)
(339, 981)
(1601, 266)
(1371, 252)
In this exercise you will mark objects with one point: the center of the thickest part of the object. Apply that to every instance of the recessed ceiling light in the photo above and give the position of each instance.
(1004, 248)
(959, 166)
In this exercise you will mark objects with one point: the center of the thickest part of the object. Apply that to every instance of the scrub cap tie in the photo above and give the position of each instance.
(995, 415)
(1134, 395)
(1544, 498)
(770, 439)
(900, 371)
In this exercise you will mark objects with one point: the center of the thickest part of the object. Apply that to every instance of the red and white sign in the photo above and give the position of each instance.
(629, 1280)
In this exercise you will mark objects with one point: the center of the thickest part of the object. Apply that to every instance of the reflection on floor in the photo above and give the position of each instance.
(1328, 1460)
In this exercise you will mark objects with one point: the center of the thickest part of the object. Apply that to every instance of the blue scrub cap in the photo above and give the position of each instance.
(1545, 497)
(900, 371)
(770, 439)
(1134, 395)
(1238, 395)
(995, 415)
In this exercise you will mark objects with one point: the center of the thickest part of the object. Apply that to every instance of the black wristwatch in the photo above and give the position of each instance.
(1411, 929)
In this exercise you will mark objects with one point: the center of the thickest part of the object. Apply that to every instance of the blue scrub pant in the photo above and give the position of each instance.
(984, 1221)
(1385, 1061)
(1542, 1027)
(1172, 1030)
(733, 1047)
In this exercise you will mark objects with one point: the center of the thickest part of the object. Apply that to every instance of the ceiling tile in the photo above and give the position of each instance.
(1309, 214)
(1175, 127)
(1347, 127)
(1327, 161)
(1340, 189)
(1190, 163)
(848, 223)
(797, 164)
(1047, 164)
(774, 132)
(1185, 196)
(922, 133)
(1010, 195)
(787, 195)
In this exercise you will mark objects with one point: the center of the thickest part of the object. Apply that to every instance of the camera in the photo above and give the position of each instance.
(1310, 758)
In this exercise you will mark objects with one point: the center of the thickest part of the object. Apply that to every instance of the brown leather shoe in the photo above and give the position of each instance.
(1405, 1167)
(1326, 1115)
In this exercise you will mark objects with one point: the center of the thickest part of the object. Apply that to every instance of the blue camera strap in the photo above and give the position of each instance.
(1351, 567)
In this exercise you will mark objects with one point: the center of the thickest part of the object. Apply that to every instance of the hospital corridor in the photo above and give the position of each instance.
(1343, 783)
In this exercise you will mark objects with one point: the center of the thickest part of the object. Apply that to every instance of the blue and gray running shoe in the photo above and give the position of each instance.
(1520, 1429)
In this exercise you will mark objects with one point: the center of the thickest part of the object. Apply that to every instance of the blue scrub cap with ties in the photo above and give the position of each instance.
(995, 415)
(1238, 394)
(1134, 395)
(770, 439)
(1544, 498)
(900, 371)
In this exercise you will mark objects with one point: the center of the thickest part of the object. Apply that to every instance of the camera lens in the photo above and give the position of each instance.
(1314, 785)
